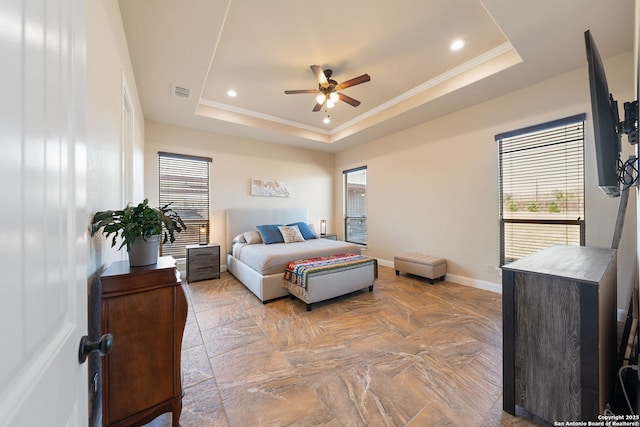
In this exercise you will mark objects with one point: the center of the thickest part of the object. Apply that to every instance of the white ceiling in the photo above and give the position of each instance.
(262, 48)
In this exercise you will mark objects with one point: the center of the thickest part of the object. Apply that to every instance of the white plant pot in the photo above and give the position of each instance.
(144, 252)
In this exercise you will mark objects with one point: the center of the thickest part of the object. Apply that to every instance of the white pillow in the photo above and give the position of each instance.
(291, 233)
(239, 239)
(252, 237)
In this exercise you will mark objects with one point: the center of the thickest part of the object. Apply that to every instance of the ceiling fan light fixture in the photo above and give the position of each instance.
(327, 87)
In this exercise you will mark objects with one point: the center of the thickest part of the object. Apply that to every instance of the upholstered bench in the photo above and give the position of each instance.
(421, 265)
(318, 279)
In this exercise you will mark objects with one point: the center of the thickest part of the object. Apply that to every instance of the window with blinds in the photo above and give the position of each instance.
(184, 182)
(541, 179)
(355, 205)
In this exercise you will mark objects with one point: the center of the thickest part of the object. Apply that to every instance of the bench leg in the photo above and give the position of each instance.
(397, 272)
(308, 307)
(431, 281)
(371, 288)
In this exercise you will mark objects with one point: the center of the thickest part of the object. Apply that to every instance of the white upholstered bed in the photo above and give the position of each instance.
(261, 267)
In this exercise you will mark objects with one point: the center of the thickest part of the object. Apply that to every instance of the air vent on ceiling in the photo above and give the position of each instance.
(181, 92)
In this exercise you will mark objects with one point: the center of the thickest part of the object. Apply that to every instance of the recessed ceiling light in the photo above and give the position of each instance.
(457, 44)
(232, 93)
(327, 120)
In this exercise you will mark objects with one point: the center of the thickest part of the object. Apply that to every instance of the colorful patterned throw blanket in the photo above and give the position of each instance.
(297, 272)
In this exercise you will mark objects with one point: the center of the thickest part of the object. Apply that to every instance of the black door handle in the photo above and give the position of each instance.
(103, 345)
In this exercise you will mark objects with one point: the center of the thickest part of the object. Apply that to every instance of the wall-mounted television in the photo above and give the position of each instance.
(607, 127)
(604, 112)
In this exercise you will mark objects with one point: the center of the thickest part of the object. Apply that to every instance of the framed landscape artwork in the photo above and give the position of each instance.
(269, 188)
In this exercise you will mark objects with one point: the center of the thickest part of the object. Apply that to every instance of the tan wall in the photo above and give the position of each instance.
(433, 188)
(108, 69)
(309, 174)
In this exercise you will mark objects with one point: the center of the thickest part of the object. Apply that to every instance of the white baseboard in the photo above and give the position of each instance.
(385, 263)
(475, 283)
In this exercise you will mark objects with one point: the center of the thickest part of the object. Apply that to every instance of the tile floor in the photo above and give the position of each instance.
(407, 354)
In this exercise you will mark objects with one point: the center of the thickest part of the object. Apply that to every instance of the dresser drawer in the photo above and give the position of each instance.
(203, 252)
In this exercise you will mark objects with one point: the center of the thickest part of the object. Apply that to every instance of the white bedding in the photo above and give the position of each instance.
(272, 259)
(259, 277)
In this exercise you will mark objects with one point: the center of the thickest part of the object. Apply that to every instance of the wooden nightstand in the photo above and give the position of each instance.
(203, 262)
(329, 236)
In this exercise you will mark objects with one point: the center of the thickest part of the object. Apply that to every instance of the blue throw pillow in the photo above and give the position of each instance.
(305, 230)
(270, 234)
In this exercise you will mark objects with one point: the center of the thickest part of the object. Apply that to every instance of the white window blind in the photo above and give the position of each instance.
(541, 174)
(184, 182)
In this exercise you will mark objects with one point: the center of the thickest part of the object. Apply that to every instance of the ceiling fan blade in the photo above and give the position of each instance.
(317, 107)
(289, 92)
(349, 100)
(317, 70)
(354, 81)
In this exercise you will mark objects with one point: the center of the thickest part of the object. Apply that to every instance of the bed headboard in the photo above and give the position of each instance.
(240, 220)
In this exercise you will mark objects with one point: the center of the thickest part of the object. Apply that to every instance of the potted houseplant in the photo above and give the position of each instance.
(140, 228)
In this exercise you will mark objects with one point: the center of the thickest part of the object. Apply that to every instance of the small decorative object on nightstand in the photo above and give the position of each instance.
(203, 235)
(203, 262)
(329, 236)
(323, 227)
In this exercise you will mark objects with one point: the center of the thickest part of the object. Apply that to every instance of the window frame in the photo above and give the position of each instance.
(200, 206)
(580, 222)
(348, 219)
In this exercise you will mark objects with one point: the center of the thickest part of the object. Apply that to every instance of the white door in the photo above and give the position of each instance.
(43, 219)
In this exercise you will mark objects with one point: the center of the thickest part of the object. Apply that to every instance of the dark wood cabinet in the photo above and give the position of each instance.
(145, 310)
(559, 326)
(203, 262)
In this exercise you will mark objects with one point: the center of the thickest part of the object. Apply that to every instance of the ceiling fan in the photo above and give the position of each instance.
(328, 88)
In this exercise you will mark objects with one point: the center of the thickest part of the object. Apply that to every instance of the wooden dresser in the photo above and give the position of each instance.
(559, 326)
(145, 310)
